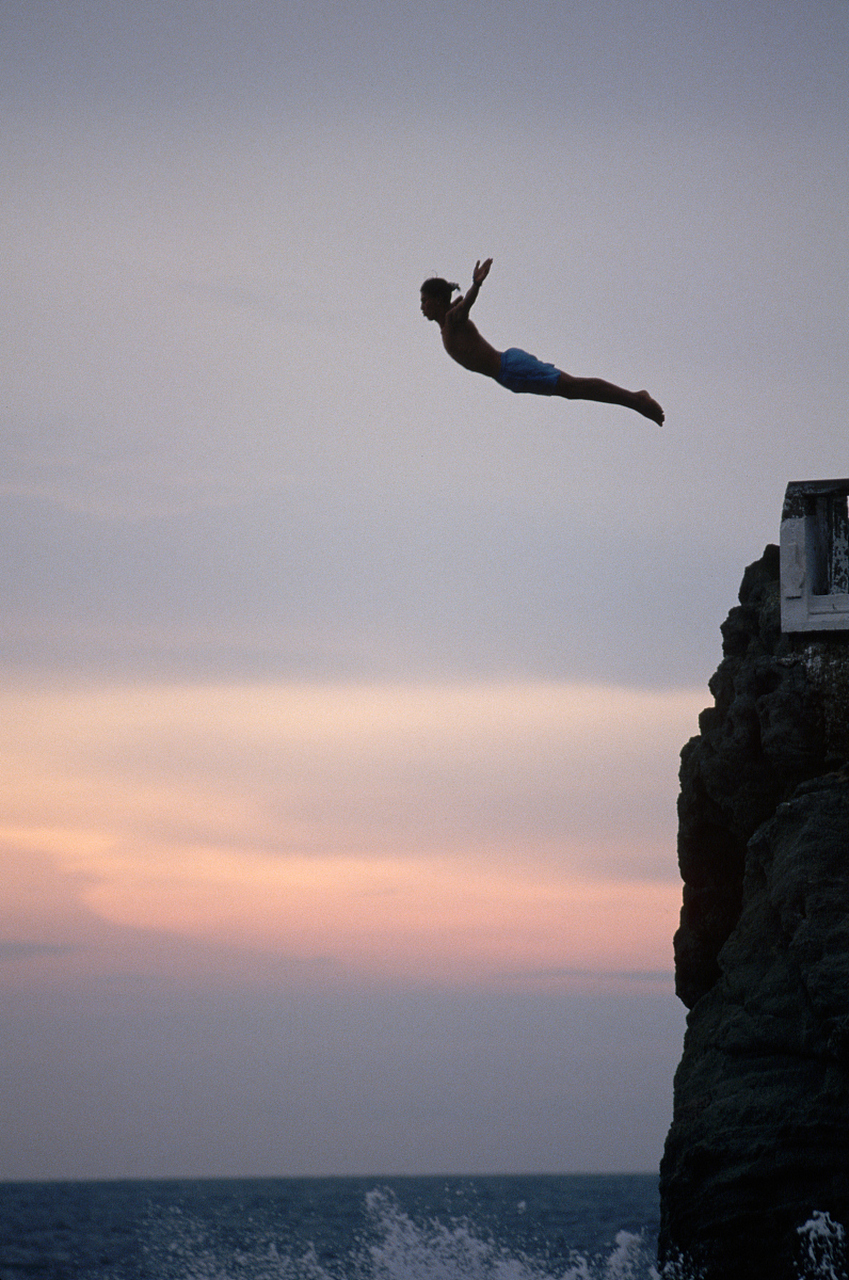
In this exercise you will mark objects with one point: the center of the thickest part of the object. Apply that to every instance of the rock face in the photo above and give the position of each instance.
(759, 1141)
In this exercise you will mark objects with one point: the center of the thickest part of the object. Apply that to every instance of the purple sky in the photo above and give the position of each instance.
(343, 691)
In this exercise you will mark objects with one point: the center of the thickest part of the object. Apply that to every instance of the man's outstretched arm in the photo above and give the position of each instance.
(461, 308)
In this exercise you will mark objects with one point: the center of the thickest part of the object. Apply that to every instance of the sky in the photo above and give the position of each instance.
(342, 690)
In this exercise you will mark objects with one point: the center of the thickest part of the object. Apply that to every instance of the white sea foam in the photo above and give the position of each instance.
(823, 1253)
(407, 1250)
(824, 1245)
(399, 1247)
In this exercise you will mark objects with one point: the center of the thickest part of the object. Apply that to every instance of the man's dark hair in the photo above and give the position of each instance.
(436, 287)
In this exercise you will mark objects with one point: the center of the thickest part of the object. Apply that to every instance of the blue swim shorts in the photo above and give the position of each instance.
(522, 372)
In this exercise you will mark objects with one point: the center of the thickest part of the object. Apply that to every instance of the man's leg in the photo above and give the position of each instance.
(605, 392)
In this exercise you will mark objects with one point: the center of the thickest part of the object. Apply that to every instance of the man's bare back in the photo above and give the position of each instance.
(514, 369)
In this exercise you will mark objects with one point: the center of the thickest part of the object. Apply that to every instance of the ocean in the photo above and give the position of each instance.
(435, 1228)
(557, 1227)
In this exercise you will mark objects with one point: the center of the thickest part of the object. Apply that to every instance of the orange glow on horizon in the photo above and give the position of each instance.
(428, 831)
(435, 915)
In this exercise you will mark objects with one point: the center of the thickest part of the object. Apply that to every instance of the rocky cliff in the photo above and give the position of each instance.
(760, 1133)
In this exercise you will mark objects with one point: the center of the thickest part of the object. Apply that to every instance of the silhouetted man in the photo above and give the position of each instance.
(515, 369)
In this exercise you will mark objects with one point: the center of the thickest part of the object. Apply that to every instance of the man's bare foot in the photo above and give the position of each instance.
(649, 408)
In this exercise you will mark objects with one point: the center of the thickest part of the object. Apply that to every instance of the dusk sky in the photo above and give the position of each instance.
(343, 691)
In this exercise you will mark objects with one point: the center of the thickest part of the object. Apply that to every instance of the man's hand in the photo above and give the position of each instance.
(481, 272)
(459, 313)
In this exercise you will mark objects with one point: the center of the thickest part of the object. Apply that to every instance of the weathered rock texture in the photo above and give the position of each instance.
(760, 1132)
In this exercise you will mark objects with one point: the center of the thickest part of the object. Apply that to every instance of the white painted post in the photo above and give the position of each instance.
(815, 556)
